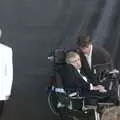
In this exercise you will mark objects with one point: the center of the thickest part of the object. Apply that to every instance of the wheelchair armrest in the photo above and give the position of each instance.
(114, 71)
(73, 94)
(70, 95)
(59, 90)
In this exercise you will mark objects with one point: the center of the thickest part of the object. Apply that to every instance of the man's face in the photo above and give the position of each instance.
(76, 62)
(86, 50)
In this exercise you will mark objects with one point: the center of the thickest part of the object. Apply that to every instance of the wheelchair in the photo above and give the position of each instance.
(71, 105)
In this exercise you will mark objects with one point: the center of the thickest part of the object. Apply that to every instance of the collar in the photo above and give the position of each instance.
(91, 46)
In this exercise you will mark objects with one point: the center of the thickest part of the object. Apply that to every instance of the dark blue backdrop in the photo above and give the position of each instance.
(33, 27)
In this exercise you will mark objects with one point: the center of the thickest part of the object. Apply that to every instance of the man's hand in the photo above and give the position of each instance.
(100, 88)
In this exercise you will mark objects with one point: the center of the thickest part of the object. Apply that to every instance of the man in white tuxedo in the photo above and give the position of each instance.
(6, 73)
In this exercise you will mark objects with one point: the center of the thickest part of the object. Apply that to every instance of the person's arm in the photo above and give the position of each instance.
(107, 58)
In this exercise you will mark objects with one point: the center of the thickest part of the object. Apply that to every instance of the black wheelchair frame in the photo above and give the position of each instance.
(64, 103)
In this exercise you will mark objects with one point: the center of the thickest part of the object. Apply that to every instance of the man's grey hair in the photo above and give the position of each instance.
(69, 56)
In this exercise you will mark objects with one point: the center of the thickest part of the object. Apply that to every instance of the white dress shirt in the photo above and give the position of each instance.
(89, 57)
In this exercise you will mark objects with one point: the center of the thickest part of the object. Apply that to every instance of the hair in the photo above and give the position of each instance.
(84, 41)
(70, 55)
(112, 113)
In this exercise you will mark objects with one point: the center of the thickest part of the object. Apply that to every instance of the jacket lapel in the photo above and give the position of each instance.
(80, 76)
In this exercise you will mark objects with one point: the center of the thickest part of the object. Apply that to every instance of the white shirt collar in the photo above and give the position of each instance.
(91, 46)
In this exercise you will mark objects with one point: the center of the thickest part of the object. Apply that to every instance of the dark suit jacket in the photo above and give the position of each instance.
(99, 56)
(72, 80)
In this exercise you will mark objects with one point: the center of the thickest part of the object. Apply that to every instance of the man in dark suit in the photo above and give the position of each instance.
(92, 56)
(74, 79)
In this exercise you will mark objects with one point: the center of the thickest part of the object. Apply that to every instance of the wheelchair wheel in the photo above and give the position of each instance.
(52, 102)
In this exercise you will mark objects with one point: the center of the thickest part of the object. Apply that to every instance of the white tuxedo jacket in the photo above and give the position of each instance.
(6, 71)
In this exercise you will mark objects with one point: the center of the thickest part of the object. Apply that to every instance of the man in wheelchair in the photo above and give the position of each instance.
(77, 86)
(73, 78)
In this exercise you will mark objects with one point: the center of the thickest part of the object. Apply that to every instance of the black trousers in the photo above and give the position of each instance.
(1, 107)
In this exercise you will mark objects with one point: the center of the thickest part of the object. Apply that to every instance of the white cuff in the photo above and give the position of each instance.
(91, 86)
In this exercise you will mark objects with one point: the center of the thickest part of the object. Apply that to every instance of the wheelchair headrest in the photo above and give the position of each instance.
(57, 56)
